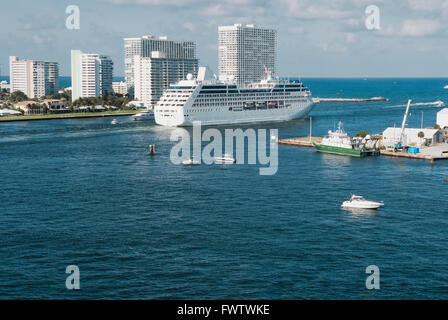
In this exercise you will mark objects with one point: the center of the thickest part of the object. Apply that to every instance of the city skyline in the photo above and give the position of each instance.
(315, 38)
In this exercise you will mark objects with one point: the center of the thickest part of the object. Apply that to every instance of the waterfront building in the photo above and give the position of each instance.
(155, 74)
(120, 88)
(92, 75)
(135, 104)
(391, 136)
(246, 53)
(56, 106)
(30, 107)
(35, 78)
(145, 45)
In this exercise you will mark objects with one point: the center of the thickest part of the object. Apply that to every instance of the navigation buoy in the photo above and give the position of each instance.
(151, 150)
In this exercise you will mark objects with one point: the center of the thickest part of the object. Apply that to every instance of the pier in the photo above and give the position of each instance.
(349, 99)
(301, 142)
(433, 153)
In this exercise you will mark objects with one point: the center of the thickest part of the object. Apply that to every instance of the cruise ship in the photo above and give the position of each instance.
(213, 102)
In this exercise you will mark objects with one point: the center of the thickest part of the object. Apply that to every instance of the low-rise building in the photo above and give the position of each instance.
(120, 88)
(99, 108)
(136, 104)
(56, 106)
(30, 107)
(391, 136)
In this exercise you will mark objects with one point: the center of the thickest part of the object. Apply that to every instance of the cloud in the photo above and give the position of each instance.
(189, 26)
(350, 37)
(332, 47)
(296, 30)
(418, 28)
(311, 10)
(178, 3)
(428, 5)
(216, 10)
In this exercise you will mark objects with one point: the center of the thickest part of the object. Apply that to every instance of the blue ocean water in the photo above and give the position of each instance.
(64, 81)
(85, 192)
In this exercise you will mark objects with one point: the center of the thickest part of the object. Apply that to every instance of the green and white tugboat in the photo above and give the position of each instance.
(339, 142)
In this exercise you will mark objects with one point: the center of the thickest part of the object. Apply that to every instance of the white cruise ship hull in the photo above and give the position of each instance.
(185, 116)
(211, 102)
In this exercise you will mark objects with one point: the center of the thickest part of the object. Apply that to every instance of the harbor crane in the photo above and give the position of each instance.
(403, 124)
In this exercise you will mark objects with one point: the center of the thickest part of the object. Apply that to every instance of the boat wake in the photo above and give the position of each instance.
(437, 104)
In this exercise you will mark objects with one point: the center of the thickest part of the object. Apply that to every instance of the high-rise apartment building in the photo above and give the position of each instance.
(246, 53)
(35, 78)
(144, 46)
(92, 75)
(152, 75)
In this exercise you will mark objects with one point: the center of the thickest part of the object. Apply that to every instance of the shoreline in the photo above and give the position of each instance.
(63, 116)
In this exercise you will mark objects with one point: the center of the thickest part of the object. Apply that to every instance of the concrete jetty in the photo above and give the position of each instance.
(300, 142)
(433, 153)
(349, 99)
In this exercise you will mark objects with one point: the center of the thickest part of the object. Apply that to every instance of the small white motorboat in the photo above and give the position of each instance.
(114, 121)
(361, 203)
(445, 87)
(439, 103)
(190, 162)
(144, 115)
(225, 159)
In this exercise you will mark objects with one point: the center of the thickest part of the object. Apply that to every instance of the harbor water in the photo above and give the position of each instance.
(84, 192)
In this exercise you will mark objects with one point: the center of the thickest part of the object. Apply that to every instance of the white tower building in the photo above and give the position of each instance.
(152, 75)
(246, 53)
(144, 46)
(91, 75)
(35, 78)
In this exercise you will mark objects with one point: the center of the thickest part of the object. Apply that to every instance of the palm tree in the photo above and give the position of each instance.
(421, 135)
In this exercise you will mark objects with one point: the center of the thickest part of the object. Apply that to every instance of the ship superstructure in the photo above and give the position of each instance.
(213, 102)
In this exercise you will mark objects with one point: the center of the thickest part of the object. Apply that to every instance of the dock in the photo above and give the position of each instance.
(301, 142)
(432, 154)
(349, 99)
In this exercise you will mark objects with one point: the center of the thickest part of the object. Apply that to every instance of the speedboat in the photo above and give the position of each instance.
(190, 162)
(446, 87)
(144, 115)
(114, 121)
(361, 203)
(439, 103)
(226, 158)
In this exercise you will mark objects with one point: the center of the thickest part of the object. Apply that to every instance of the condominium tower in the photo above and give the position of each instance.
(91, 75)
(246, 53)
(35, 78)
(153, 75)
(144, 46)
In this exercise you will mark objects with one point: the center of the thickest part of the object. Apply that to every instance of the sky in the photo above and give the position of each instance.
(316, 38)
